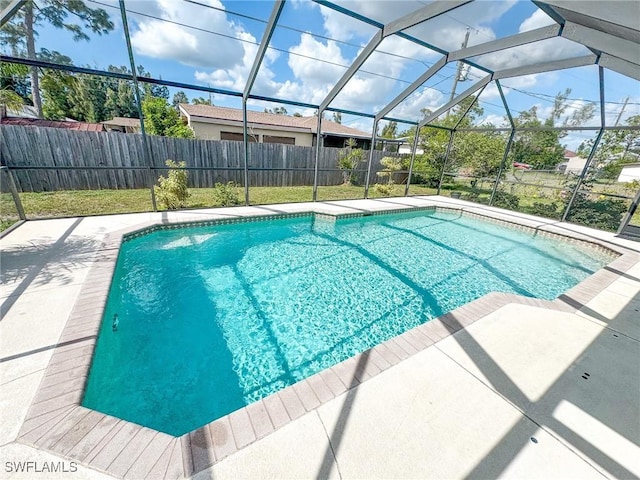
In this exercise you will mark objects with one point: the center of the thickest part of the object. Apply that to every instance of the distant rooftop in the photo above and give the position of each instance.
(123, 122)
(39, 122)
(307, 124)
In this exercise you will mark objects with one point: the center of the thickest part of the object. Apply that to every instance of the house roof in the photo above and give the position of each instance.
(569, 154)
(272, 119)
(39, 122)
(123, 122)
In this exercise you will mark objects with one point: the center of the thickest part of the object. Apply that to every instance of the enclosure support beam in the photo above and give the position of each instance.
(627, 216)
(469, 91)
(452, 134)
(262, 49)
(583, 174)
(524, 38)
(503, 163)
(602, 42)
(245, 141)
(546, 67)
(315, 165)
(10, 10)
(14, 194)
(468, 109)
(264, 44)
(413, 87)
(425, 13)
(353, 69)
(371, 149)
(623, 67)
(134, 76)
(506, 105)
(592, 153)
(416, 139)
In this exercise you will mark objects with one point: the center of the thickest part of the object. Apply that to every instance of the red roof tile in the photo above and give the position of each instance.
(39, 122)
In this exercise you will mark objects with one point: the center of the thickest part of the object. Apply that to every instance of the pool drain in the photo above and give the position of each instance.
(586, 375)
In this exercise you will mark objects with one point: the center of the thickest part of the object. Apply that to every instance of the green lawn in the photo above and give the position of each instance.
(98, 202)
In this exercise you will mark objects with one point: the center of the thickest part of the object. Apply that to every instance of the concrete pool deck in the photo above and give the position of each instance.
(527, 389)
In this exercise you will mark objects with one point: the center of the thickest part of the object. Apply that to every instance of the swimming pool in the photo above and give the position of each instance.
(212, 318)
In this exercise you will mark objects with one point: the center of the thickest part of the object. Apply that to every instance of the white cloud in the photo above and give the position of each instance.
(169, 41)
(424, 98)
(235, 77)
(312, 72)
(537, 19)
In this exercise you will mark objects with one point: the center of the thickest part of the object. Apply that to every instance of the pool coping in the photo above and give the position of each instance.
(56, 422)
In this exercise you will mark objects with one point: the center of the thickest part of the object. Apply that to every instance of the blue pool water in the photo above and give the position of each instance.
(213, 318)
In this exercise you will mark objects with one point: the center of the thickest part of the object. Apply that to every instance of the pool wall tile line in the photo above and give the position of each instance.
(56, 421)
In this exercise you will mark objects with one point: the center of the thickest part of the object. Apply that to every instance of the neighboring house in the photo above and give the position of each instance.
(122, 124)
(629, 173)
(222, 123)
(405, 147)
(572, 164)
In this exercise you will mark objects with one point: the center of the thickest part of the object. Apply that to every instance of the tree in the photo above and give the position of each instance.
(616, 148)
(120, 96)
(297, 114)
(349, 158)
(10, 99)
(542, 148)
(178, 98)
(277, 110)
(14, 78)
(539, 148)
(162, 119)
(150, 89)
(337, 117)
(390, 130)
(201, 101)
(20, 33)
(56, 86)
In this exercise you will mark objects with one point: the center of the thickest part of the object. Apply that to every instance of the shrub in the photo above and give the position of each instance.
(547, 210)
(172, 191)
(349, 158)
(506, 200)
(226, 194)
(605, 214)
(426, 171)
(384, 189)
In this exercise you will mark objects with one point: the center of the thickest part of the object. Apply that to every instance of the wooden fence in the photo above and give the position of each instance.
(212, 161)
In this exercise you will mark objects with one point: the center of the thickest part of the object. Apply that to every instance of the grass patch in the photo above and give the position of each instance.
(72, 203)
(77, 203)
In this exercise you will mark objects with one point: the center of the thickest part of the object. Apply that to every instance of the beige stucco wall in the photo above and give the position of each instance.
(630, 173)
(575, 165)
(211, 131)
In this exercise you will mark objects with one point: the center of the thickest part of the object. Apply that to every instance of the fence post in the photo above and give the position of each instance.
(446, 159)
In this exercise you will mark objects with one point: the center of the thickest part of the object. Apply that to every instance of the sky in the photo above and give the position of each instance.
(214, 43)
